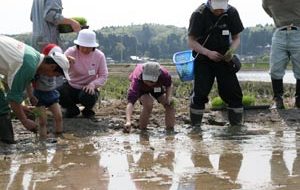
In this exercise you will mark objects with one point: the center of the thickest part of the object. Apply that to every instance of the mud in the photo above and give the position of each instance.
(96, 154)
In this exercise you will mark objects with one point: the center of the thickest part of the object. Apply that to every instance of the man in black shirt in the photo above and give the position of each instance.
(213, 35)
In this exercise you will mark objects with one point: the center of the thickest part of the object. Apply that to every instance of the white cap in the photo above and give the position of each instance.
(151, 71)
(50, 48)
(56, 49)
(62, 61)
(86, 38)
(219, 4)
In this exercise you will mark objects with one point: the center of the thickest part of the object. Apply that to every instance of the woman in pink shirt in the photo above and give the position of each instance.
(88, 74)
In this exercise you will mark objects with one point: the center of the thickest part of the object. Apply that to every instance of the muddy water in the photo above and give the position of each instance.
(256, 157)
(264, 76)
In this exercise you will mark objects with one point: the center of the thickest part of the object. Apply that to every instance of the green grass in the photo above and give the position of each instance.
(254, 93)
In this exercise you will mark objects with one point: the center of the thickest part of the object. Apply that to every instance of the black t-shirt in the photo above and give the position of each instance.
(202, 23)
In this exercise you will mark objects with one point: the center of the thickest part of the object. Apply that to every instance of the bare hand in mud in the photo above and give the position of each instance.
(30, 125)
(33, 100)
(127, 127)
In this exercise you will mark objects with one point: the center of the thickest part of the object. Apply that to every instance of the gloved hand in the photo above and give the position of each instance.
(229, 54)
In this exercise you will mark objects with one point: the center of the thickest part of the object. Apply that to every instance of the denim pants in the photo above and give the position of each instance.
(285, 48)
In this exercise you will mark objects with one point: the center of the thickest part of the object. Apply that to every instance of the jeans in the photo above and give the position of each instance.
(285, 48)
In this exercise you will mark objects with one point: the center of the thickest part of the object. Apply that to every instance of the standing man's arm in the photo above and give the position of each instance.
(197, 47)
(195, 31)
(236, 40)
(265, 7)
(53, 14)
(74, 24)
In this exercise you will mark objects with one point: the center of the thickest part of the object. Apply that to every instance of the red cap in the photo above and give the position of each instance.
(50, 48)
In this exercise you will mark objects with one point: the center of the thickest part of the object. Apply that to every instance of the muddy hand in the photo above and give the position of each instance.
(30, 125)
(127, 127)
(33, 100)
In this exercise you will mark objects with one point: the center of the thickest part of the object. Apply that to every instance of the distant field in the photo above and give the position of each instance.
(126, 68)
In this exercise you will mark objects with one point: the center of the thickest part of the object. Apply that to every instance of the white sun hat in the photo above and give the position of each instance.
(86, 38)
(219, 4)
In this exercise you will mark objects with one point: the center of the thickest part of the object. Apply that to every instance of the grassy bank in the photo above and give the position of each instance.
(116, 88)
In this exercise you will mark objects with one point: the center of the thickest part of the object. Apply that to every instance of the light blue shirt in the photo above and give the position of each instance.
(45, 16)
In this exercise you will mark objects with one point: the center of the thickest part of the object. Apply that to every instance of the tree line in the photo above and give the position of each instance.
(160, 42)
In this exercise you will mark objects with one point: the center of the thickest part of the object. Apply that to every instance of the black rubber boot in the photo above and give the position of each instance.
(297, 95)
(72, 112)
(196, 116)
(235, 116)
(88, 113)
(6, 129)
(277, 85)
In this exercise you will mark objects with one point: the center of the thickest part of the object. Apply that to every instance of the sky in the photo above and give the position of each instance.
(15, 14)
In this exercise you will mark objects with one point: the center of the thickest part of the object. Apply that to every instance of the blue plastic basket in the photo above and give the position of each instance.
(184, 62)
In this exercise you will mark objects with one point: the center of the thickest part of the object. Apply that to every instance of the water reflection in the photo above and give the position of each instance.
(158, 161)
(264, 76)
(255, 170)
(144, 168)
(74, 168)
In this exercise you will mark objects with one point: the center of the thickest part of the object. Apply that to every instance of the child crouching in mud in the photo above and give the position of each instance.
(45, 96)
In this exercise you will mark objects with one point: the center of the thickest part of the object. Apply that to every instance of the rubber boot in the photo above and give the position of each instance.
(277, 85)
(196, 116)
(6, 129)
(235, 116)
(297, 95)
